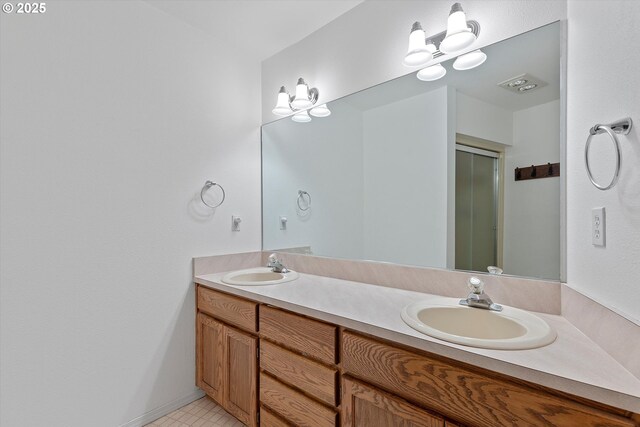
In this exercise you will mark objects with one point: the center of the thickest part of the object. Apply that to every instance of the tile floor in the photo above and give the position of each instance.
(201, 413)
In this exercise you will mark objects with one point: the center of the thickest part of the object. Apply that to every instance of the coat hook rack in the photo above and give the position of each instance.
(547, 170)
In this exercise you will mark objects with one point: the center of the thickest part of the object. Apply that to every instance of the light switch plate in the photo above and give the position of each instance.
(597, 226)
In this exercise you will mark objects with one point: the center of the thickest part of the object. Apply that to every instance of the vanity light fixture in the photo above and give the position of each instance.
(283, 107)
(301, 117)
(418, 52)
(320, 111)
(469, 60)
(459, 36)
(432, 73)
(303, 100)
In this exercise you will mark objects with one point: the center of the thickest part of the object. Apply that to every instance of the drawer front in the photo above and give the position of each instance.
(305, 374)
(269, 419)
(366, 406)
(233, 310)
(311, 337)
(298, 409)
(461, 394)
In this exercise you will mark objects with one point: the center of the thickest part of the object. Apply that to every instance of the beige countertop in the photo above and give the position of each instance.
(573, 363)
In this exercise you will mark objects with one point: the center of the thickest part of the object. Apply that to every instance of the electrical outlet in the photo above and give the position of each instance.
(597, 226)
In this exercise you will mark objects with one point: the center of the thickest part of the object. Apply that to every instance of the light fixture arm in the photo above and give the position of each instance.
(474, 26)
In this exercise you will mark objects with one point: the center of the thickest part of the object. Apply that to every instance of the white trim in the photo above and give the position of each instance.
(163, 410)
(480, 151)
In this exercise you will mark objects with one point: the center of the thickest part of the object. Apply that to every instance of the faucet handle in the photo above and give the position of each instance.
(273, 258)
(476, 285)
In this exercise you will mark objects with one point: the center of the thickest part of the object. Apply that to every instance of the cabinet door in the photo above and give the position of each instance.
(240, 385)
(210, 356)
(365, 406)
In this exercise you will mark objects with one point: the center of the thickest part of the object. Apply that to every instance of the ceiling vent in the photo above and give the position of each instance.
(523, 83)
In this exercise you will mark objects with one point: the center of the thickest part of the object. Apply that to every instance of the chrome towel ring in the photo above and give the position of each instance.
(207, 186)
(301, 197)
(620, 127)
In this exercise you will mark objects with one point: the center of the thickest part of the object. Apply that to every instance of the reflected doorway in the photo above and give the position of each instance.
(477, 196)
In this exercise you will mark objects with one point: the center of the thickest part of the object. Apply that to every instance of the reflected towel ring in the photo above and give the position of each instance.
(301, 195)
(208, 185)
(621, 127)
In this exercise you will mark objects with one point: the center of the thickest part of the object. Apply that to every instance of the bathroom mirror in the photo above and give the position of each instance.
(424, 172)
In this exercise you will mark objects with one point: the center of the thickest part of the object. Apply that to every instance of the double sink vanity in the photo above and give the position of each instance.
(289, 348)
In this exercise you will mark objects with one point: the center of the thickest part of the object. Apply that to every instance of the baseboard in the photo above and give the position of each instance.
(160, 412)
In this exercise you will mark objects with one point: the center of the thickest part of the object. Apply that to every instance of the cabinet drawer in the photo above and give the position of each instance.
(234, 310)
(295, 407)
(364, 405)
(311, 337)
(305, 374)
(269, 419)
(461, 393)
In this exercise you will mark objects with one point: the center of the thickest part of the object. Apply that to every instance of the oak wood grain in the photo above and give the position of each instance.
(236, 311)
(310, 337)
(269, 419)
(307, 375)
(365, 406)
(240, 385)
(295, 407)
(462, 394)
(210, 356)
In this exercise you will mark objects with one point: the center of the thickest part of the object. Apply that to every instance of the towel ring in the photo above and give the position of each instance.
(208, 185)
(622, 127)
(301, 195)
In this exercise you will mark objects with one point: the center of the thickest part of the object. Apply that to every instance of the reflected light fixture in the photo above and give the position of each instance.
(418, 53)
(301, 117)
(432, 73)
(459, 36)
(304, 99)
(469, 60)
(320, 111)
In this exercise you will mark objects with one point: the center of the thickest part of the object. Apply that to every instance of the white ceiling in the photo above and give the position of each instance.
(259, 28)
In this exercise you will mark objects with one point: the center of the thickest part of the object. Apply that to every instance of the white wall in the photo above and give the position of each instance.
(531, 207)
(365, 46)
(483, 120)
(113, 116)
(603, 88)
(407, 141)
(323, 157)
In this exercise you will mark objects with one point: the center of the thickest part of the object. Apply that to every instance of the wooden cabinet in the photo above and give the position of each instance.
(314, 374)
(366, 406)
(300, 379)
(462, 393)
(227, 364)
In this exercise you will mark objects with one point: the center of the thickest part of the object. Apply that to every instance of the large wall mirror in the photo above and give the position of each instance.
(424, 173)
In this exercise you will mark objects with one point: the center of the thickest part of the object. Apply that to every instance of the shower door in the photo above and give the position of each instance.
(476, 208)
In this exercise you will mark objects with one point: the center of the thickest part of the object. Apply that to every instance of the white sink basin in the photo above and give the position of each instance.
(257, 277)
(510, 329)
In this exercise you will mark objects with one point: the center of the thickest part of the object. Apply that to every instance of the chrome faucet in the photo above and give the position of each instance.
(477, 298)
(276, 265)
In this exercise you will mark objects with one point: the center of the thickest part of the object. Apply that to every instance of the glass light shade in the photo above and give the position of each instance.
(417, 54)
(432, 73)
(469, 60)
(301, 117)
(459, 35)
(320, 111)
(282, 106)
(301, 101)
